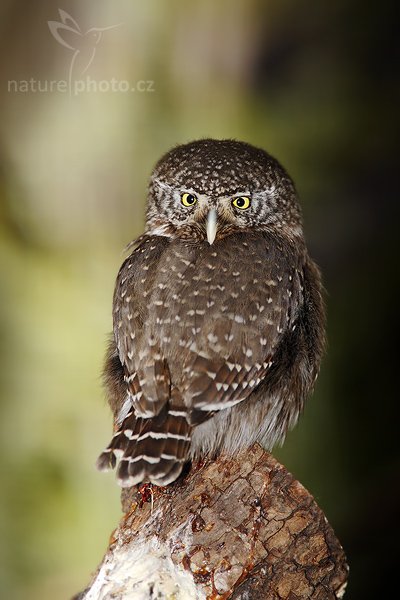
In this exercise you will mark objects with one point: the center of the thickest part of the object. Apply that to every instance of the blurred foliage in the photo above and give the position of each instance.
(313, 83)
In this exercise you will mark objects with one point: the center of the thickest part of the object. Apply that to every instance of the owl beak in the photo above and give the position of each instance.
(211, 225)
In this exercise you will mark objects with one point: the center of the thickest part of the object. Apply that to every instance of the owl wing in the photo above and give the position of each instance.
(235, 347)
(146, 372)
(152, 435)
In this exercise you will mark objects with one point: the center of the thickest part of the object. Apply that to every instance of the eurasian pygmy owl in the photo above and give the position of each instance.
(218, 314)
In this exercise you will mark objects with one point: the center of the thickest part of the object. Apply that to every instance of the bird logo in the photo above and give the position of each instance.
(84, 44)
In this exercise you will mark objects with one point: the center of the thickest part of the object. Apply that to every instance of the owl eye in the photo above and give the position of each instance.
(241, 202)
(188, 199)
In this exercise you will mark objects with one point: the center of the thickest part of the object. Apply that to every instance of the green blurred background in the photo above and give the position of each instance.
(313, 83)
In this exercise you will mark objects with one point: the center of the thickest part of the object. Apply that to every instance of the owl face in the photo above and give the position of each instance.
(210, 188)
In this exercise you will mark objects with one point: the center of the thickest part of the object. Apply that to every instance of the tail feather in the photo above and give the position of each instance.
(149, 388)
(153, 449)
(116, 448)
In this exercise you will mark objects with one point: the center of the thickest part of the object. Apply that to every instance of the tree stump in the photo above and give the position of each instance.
(240, 528)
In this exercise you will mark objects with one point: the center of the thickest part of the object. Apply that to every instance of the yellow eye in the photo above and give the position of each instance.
(241, 202)
(188, 199)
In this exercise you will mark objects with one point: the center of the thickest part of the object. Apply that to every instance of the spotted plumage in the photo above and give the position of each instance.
(218, 315)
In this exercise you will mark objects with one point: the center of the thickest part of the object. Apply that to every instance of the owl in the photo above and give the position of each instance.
(218, 315)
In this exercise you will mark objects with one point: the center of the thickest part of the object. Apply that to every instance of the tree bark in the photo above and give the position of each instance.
(240, 528)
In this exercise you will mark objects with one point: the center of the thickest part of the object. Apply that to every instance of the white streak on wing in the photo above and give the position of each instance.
(123, 413)
(207, 406)
(158, 435)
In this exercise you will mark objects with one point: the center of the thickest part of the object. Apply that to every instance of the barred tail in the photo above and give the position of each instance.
(153, 449)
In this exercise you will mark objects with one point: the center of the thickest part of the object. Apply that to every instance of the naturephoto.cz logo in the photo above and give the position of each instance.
(82, 46)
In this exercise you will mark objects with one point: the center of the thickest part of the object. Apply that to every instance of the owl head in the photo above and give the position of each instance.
(208, 189)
